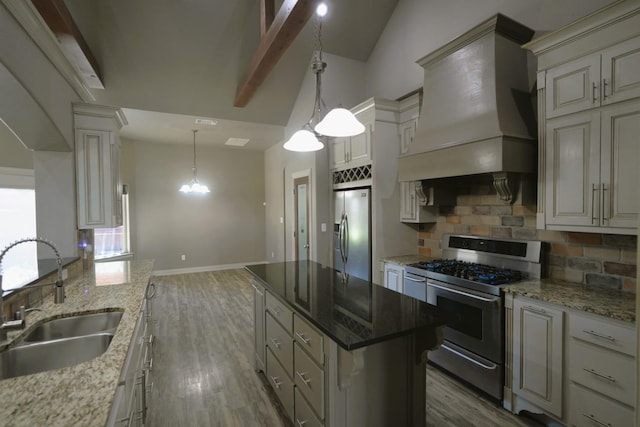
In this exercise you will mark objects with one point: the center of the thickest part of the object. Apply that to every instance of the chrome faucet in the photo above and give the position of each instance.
(58, 286)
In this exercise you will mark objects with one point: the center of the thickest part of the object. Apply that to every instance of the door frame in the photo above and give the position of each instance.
(306, 173)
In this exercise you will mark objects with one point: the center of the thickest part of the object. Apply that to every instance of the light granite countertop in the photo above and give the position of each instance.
(407, 259)
(80, 395)
(604, 302)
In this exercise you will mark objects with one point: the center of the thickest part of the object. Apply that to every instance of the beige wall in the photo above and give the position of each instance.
(221, 228)
(12, 153)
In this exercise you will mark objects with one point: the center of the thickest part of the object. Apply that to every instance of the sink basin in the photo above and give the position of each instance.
(75, 326)
(48, 355)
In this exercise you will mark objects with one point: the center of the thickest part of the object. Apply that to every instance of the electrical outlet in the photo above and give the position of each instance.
(183, 257)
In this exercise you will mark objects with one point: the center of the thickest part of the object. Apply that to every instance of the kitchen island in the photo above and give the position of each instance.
(83, 394)
(341, 351)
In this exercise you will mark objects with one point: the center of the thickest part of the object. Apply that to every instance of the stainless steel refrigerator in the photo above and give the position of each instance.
(352, 232)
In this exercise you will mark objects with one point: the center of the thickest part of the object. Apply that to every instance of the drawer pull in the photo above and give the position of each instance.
(594, 86)
(606, 377)
(304, 380)
(301, 336)
(300, 423)
(275, 382)
(275, 342)
(597, 335)
(595, 420)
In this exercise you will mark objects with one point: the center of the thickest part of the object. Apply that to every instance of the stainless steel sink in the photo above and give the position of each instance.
(48, 355)
(75, 326)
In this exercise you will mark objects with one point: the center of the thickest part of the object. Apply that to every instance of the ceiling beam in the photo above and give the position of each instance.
(287, 24)
(267, 13)
(59, 20)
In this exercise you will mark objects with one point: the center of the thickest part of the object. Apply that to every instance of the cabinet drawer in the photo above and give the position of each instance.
(280, 312)
(309, 378)
(309, 339)
(606, 334)
(280, 383)
(280, 343)
(589, 409)
(304, 415)
(609, 373)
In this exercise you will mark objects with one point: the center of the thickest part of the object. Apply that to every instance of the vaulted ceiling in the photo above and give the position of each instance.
(185, 59)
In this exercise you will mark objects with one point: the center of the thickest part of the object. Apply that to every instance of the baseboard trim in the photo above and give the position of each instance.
(204, 268)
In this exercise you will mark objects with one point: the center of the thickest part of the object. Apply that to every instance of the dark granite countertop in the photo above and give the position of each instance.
(354, 313)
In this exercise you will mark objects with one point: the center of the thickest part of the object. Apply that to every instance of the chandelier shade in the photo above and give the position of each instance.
(303, 141)
(339, 122)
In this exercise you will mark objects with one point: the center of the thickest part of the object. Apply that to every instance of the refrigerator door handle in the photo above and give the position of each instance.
(340, 244)
(346, 238)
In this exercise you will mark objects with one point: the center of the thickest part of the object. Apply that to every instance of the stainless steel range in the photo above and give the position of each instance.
(467, 284)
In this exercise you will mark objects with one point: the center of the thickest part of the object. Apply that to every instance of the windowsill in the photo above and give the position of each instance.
(120, 257)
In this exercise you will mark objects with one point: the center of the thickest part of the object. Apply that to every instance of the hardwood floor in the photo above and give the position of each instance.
(203, 367)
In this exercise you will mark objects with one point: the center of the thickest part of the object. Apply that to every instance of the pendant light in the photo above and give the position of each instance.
(339, 122)
(194, 186)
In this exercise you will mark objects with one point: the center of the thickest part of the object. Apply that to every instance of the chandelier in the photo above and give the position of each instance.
(338, 122)
(194, 186)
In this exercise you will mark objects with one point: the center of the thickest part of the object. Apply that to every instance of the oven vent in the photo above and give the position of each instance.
(360, 173)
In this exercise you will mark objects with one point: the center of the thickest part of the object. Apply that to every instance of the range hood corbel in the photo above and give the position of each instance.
(504, 183)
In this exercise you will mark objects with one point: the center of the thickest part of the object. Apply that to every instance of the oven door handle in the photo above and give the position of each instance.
(464, 356)
(444, 288)
(415, 279)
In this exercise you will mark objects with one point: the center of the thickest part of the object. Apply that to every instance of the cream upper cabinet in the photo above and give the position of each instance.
(591, 168)
(537, 354)
(588, 108)
(573, 87)
(97, 152)
(598, 79)
(349, 152)
(621, 72)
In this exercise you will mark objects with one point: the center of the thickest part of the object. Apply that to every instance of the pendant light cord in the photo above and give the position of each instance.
(194, 153)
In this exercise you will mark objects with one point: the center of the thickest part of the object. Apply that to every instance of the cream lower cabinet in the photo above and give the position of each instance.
(319, 383)
(591, 170)
(394, 277)
(259, 326)
(130, 403)
(602, 373)
(574, 367)
(537, 354)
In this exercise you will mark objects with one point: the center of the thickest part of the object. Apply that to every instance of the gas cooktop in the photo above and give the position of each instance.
(472, 271)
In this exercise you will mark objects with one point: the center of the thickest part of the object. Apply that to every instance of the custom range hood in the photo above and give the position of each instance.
(477, 114)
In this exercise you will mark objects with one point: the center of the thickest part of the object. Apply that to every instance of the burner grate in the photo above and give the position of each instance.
(480, 273)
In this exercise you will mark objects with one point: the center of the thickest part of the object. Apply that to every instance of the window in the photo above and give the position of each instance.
(112, 243)
(17, 221)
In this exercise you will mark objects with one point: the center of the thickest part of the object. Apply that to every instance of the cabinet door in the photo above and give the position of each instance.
(537, 354)
(407, 133)
(619, 171)
(359, 151)
(620, 72)
(259, 327)
(393, 277)
(573, 87)
(408, 202)
(572, 170)
(337, 148)
(98, 179)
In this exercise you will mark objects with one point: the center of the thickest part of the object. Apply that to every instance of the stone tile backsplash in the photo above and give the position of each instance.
(592, 259)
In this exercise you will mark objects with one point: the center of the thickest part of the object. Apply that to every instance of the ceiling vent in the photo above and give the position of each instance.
(236, 142)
